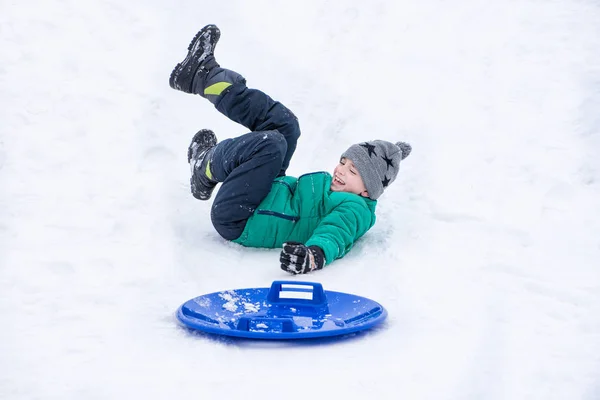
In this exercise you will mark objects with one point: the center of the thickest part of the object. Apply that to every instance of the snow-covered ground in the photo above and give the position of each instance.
(486, 252)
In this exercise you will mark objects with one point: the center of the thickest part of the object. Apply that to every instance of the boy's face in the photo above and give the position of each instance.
(347, 179)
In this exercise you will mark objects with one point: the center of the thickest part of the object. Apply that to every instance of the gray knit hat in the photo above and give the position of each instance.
(378, 163)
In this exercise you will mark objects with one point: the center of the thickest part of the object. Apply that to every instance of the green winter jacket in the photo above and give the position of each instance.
(305, 210)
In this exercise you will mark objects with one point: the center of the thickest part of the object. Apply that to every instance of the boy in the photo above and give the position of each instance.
(317, 217)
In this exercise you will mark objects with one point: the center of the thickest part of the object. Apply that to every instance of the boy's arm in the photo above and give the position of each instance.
(338, 231)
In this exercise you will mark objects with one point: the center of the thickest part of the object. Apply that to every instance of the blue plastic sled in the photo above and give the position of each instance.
(288, 310)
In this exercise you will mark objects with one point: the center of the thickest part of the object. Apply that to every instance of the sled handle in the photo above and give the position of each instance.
(297, 293)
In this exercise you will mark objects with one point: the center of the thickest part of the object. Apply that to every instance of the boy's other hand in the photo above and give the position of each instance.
(296, 258)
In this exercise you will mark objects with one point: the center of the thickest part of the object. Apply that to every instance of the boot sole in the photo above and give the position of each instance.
(204, 138)
(193, 49)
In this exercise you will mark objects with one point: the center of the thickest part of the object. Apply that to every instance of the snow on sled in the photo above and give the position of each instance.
(287, 310)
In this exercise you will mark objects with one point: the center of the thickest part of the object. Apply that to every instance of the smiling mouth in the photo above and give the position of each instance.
(338, 180)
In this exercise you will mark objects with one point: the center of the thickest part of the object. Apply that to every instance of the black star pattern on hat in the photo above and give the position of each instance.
(385, 182)
(388, 162)
(370, 148)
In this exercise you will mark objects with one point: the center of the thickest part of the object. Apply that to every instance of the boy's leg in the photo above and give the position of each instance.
(199, 73)
(247, 166)
(259, 112)
(252, 108)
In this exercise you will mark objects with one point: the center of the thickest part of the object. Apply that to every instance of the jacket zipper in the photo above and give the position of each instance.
(278, 215)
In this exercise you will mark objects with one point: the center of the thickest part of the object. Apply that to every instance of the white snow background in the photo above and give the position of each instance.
(486, 252)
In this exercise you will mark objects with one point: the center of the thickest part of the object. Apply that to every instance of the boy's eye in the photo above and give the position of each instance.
(353, 172)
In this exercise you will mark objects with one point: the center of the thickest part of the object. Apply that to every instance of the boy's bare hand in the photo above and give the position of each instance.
(296, 258)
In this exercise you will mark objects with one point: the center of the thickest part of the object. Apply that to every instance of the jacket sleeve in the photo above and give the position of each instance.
(338, 231)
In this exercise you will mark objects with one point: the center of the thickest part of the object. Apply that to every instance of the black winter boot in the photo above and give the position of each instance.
(199, 60)
(199, 152)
